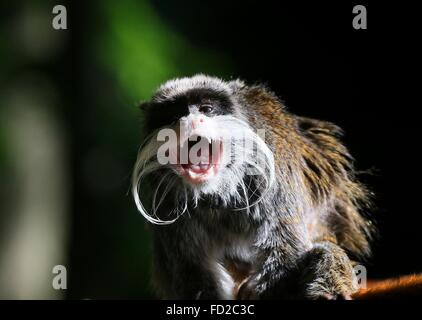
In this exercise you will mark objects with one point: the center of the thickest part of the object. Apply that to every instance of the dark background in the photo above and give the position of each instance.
(308, 53)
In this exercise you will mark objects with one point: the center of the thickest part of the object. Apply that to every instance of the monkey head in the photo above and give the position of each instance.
(201, 147)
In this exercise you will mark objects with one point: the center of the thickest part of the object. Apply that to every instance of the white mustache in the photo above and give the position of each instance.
(249, 154)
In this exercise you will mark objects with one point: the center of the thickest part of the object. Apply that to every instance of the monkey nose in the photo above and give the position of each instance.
(196, 121)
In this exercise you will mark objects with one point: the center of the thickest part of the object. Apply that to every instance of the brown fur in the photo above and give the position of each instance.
(313, 148)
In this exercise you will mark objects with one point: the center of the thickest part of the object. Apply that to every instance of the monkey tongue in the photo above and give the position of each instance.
(199, 173)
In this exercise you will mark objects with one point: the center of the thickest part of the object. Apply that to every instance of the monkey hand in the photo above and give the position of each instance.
(327, 273)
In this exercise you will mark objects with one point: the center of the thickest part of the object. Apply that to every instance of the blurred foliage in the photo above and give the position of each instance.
(143, 51)
(112, 55)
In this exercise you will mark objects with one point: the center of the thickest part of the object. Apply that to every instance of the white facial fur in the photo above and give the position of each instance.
(243, 150)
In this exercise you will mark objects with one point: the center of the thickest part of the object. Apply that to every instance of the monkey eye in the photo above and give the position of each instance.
(205, 108)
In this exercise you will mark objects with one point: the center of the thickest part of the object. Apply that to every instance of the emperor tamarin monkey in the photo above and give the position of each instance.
(266, 207)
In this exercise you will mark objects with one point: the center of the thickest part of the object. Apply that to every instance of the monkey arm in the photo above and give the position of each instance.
(281, 248)
(178, 268)
(191, 281)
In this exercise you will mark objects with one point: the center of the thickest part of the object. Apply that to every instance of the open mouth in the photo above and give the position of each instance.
(203, 157)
